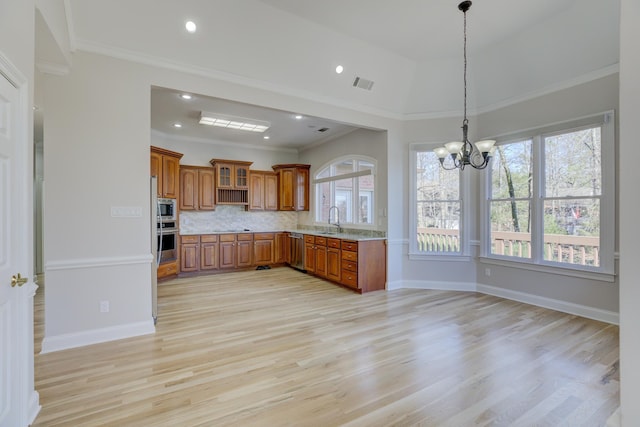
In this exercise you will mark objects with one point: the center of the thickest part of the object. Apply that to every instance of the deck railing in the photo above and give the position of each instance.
(581, 250)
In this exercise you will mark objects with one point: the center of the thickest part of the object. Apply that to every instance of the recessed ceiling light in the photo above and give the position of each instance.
(339, 69)
(185, 96)
(230, 122)
(266, 137)
(177, 125)
(190, 26)
(298, 117)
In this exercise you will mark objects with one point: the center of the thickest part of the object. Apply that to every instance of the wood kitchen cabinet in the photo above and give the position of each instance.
(209, 252)
(264, 248)
(309, 253)
(293, 187)
(263, 191)
(364, 264)
(232, 181)
(236, 250)
(165, 164)
(197, 188)
(360, 265)
(189, 254)
(315, 255)
(334, 265)
(283, 249)
(199, 253)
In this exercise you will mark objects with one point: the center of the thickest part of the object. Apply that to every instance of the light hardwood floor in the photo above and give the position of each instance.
(280, 348)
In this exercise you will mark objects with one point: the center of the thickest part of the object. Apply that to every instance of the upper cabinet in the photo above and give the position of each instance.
(263, 191)
(293, 187)
(165, 165)
(197, 188)
(232, 181)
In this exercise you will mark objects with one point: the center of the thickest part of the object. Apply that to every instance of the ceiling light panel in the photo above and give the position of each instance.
(224, 121)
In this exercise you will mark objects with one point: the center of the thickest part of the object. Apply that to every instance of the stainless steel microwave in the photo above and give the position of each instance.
(166, 209)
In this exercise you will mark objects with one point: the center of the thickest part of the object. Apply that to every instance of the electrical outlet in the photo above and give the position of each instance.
(104, 306)
(487, 272)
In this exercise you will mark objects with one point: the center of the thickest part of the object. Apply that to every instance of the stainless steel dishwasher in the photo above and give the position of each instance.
(297, 250)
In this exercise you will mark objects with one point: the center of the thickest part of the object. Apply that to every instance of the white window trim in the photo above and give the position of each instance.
(465, 223)
(606, 270)
(374, 173)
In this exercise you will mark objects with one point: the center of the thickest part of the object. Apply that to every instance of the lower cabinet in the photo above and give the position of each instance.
(198, 252)
(264, 248)
(282, 249)
(360, 265)
(189, 254)
(236, 250)
(209, 252)
(321, 256)
(333, 259)
(309, 253)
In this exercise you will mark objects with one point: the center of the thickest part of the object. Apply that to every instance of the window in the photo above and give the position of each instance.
(348, 184)
(437, 214)
(551, 196)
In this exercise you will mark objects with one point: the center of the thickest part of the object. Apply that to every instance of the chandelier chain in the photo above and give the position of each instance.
(465, 67)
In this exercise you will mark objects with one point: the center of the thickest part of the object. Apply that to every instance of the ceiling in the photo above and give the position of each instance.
(411, 49)
(286, 131)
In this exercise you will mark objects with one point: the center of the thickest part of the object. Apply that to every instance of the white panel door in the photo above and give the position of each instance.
(16, 328)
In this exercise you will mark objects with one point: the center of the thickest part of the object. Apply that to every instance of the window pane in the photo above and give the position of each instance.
(433, 182)
(323, 201)
(326, 172)
(344, 203)
(438, 226)
(572, 231)
(343, 167)
(511, 228)
(366, 187)
(511, 172)
(363, 165)
(366, 206)
(573, 163)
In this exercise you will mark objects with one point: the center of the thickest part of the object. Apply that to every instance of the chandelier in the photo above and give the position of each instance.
(465, 153)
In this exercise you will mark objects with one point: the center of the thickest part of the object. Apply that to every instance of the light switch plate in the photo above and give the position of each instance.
(126, 211)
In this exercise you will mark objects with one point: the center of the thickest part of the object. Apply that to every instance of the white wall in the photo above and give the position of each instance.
(629, 208)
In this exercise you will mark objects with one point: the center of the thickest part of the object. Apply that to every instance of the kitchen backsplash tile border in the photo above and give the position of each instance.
(236, 218)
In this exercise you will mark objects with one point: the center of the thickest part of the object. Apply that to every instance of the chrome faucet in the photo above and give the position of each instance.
(337, 223)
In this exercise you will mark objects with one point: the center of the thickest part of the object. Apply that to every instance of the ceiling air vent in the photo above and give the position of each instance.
(362, 83)
(323, 129)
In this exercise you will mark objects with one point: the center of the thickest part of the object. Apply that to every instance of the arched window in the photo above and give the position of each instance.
(348, 184)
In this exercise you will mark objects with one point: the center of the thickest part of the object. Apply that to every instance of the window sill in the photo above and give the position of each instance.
(551, 269)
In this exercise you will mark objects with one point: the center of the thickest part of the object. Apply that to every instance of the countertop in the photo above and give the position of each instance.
(344, 236)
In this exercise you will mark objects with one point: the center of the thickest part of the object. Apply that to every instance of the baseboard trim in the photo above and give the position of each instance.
(96, 336)
(432, 285)
(33, 408)
(566, 307)
(563, 306)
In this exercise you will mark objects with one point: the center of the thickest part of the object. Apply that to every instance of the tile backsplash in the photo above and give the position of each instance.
(235, 218)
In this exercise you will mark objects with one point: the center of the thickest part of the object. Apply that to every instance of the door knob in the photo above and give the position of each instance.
(16, 279)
